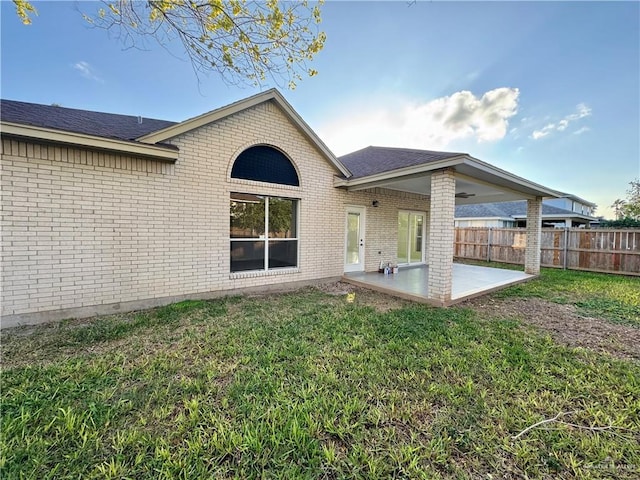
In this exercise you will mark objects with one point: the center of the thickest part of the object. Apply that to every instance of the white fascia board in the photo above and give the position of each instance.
(508, 180)
(89, 141)
(533, 187)
(559, 216)
(223, 112)
(506, 219)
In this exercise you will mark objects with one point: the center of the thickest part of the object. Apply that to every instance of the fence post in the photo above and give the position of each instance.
(489, 240)
(564, 248)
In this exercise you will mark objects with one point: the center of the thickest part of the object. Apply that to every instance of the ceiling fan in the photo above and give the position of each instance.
(465, 195)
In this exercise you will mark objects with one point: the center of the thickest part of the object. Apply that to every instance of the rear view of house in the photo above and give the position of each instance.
(104, 212)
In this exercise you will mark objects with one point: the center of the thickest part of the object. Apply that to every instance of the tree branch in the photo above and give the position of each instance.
(574, 425)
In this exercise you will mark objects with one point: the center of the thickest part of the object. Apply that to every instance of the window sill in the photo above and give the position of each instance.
(263, 273)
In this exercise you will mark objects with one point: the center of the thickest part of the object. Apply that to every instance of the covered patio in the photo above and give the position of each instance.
(412, 283)
(435, 182)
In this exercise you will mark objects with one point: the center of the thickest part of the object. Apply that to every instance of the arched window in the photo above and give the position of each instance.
(265, 164)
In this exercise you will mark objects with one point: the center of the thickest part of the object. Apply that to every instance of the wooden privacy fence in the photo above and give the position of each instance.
(594, 250)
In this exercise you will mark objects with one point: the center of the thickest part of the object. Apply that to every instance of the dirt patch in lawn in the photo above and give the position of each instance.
(363, 296)
(565, 324)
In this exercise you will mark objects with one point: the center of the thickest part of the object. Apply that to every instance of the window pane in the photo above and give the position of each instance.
(416, 241)
(247, 256)
(282, 218)
(403, 237)
(283, 253)
(265, 164)
(247, 216)
(353, 238)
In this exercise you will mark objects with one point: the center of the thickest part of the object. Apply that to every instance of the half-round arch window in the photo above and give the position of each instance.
(265, 164)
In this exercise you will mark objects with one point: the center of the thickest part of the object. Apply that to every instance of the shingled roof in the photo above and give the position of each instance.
(507, 210)
(107, 125)
(373, 160)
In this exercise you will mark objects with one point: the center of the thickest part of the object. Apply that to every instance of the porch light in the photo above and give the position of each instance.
(375, 203)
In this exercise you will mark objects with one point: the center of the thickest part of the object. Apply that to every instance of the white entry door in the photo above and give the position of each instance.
(354, 240)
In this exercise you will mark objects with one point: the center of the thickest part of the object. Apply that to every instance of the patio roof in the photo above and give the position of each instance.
(411, 282)
(409, 170)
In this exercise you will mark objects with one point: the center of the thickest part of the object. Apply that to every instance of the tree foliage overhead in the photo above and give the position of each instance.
(244, 41)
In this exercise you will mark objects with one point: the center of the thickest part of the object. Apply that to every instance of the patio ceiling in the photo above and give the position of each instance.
(476, 181)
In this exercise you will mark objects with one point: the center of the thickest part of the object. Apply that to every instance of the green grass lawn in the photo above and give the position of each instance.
(611, 297)
(308, 385)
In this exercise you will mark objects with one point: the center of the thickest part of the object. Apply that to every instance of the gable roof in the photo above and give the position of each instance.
(406, 169)
(517, 209)
(374, 160)
(215, 115)
(107, 130)
(99, 124)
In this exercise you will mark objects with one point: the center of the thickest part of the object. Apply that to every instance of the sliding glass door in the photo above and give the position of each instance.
(411, 234)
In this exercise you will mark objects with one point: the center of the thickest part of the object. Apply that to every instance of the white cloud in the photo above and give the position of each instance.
(431, 125)
(582, 130)
(582, 111)
(86, 71)
(544, 131)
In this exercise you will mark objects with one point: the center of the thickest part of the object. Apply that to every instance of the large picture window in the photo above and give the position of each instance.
(263, 232)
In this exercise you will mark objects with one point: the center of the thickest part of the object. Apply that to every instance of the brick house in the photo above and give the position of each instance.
(105, 213)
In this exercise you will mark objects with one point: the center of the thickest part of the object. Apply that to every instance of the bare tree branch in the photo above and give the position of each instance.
(574, 425)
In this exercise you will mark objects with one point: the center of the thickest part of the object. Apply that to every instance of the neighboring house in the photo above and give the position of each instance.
(565, 211)
(104, 213)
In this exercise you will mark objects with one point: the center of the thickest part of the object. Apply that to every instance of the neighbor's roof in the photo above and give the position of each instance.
(374, 160)
(571, 196)
(99, 124)
(517, 209)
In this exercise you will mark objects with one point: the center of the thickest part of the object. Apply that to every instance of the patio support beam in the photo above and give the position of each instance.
(534, 226)
(441, 236)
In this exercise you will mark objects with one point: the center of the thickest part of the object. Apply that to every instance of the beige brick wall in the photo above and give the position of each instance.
(443, 189)
(381, 231)
(534, 223)
(82, 228)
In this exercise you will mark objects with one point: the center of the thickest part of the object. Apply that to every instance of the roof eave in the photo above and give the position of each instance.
(236, 107)
(398, 173)
(539, 190)
(508, 219)
(82, 140)
(559, 216)
(533, 189)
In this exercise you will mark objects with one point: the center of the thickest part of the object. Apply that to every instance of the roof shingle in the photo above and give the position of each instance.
(506, 210)
(373, 160)
(108, 125)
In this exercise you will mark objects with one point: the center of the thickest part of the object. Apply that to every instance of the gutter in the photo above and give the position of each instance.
(39, 134)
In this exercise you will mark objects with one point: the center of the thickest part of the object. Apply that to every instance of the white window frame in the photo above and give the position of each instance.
(423, 244)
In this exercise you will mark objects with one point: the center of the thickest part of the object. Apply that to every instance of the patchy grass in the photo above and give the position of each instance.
(612, 297)
(308, 385)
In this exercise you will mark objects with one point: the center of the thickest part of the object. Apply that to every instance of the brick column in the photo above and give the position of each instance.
(441, 220)
(534, 224)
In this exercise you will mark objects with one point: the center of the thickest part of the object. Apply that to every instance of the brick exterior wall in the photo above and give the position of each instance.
(534, 224)
(381, 235)
(82, 229)
(440, 251)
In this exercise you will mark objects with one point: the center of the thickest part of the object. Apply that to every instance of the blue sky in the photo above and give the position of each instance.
(547, 90)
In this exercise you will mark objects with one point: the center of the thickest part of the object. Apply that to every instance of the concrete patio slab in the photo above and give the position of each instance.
(412, 282)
